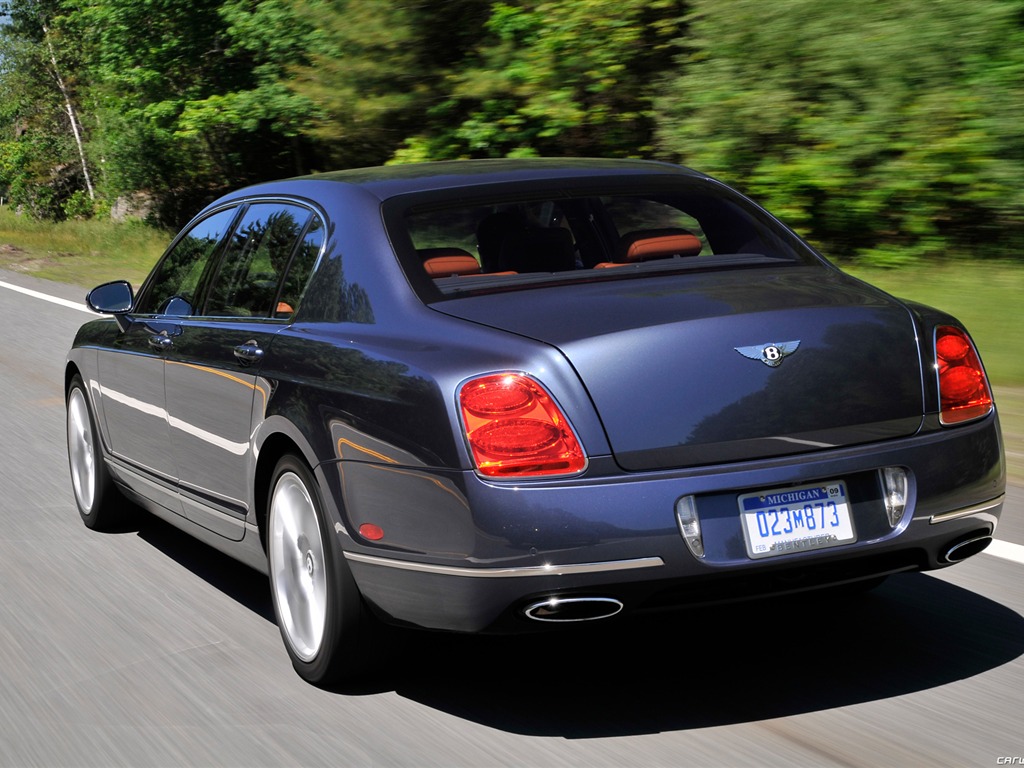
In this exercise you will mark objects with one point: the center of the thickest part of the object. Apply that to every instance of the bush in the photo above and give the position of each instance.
(78, 206)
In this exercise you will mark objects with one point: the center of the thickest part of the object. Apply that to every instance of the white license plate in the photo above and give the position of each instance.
(786, 520)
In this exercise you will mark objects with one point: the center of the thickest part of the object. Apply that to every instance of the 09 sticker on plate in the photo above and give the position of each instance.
(787, 520)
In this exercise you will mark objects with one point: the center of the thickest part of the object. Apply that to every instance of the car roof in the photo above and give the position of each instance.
(391, 180)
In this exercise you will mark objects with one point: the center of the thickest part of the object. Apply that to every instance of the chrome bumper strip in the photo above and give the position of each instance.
(977, 509)
(505, 573)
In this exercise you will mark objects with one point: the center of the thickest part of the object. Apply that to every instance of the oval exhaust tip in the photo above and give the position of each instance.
(964, 549)
(567, 609)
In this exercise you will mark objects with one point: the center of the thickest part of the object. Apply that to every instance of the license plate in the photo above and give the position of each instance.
(787, 520)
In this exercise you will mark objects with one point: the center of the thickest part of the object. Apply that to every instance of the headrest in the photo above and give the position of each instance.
(538, 249)
(445, 262)
(649, 244)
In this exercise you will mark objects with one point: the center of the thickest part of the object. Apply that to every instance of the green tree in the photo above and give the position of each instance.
(568, 77)
(148, 61)
(262, 39)
(887, 129)
(184, 99)
(374, 68)
(43, 159)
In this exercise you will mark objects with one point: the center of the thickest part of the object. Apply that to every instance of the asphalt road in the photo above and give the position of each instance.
(145, 648)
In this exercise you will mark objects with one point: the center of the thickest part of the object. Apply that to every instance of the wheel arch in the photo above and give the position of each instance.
(280, 437)
(275, 446)
(71, 370)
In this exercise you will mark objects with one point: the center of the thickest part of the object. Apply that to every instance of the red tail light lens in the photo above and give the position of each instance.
(515, 429)
(963, 387)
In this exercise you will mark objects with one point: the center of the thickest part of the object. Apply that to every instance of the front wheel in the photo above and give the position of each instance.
(99, 502)
(319, 611)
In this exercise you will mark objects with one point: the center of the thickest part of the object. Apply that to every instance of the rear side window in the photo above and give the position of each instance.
(300, 269)
(255, 261)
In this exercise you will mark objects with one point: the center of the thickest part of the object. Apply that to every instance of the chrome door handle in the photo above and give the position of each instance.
(161, 341)
(248, 353)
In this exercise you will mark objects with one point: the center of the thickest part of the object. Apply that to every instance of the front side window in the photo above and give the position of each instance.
(177, 280)
(256, 260)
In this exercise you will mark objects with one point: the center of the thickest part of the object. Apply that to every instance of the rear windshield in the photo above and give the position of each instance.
(527, 241)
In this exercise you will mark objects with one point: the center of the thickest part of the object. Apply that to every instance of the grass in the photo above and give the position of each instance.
(84, 253)
(988, 297)
(1010, 402)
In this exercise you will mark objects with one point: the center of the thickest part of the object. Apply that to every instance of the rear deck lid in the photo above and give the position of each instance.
(704, 368)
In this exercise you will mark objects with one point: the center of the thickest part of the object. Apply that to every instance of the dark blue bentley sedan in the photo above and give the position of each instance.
(485, 396)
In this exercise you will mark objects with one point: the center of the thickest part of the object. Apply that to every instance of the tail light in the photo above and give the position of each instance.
(963, 387)
(515, 429)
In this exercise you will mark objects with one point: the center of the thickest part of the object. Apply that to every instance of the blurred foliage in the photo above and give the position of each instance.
(886, 131)
(374, 67)
(556, 78)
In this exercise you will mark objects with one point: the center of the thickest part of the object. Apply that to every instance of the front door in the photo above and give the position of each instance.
(132, 370)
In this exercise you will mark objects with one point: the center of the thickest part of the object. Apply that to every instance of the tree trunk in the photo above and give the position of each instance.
(72, 115)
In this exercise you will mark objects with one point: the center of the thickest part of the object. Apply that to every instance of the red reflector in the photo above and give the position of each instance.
(371, 531)
(515, 429)
(963, 388)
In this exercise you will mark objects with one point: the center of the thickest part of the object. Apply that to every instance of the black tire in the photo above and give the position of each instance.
(324, 623)
(100, 504)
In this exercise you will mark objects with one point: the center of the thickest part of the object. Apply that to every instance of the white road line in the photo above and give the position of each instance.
(1006, 550)
(80, 306)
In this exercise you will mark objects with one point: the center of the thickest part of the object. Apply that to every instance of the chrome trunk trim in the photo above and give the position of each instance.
(505, 573)
(977, 509)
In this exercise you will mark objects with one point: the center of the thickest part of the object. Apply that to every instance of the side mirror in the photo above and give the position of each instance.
(110, 298)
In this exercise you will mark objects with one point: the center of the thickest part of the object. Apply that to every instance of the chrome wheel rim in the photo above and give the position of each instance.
(298, 573)
(81, 450)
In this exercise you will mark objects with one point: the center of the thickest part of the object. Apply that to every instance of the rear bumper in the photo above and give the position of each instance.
(487, 551)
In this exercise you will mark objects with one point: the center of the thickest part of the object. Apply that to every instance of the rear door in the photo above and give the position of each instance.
(213, 390)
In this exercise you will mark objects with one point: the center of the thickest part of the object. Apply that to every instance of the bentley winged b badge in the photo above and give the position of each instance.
(772, 354)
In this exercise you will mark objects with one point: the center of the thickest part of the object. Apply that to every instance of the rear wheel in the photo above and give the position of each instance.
(99, 503)
(319, 611)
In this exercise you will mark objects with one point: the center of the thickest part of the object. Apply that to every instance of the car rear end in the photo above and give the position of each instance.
(729, 418)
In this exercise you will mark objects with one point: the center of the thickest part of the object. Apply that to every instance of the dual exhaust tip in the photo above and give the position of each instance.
(575, 609)
(965, 548)
(572, 609)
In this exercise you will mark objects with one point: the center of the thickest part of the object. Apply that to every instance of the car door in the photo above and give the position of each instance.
(211, 378)
(131, 370)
